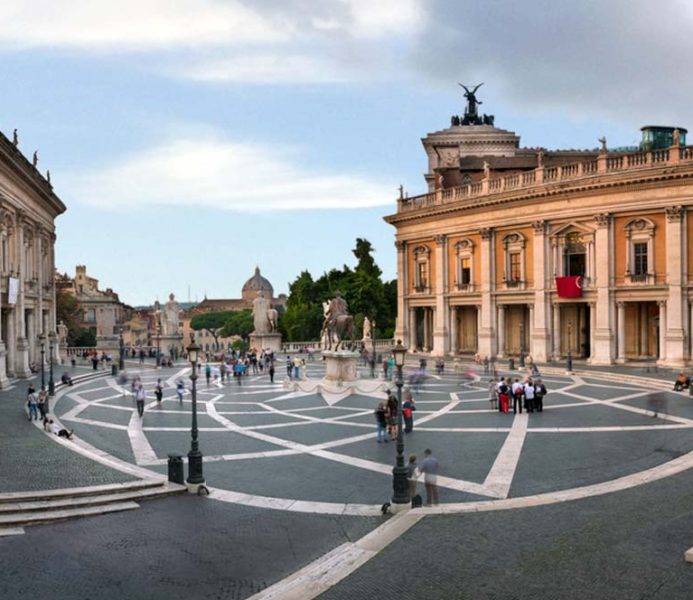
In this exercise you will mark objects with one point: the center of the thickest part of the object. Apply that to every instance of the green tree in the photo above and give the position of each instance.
(69, 312)
(240, 323)
(85, 337)
(212, 322)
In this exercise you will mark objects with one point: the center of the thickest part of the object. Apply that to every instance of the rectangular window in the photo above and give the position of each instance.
(466, 271)
(515, 271)
(91, 315)
(422, 274)
(640, 259)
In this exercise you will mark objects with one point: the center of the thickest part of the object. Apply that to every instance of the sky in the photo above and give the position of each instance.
(192, 140)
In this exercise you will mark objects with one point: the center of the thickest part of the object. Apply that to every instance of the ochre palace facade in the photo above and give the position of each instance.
(545, 253)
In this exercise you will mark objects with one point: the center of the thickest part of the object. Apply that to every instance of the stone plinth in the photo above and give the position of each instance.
(170, 342)
(340, 366)
(266, 341)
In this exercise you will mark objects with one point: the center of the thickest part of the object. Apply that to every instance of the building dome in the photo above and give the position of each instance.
(257, 283)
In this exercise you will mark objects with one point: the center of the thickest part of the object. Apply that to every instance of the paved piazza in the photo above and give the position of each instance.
(268, 447)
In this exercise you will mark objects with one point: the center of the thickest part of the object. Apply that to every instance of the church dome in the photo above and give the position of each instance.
(257, 283)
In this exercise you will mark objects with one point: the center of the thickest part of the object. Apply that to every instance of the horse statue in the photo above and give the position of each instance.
(272, 316)
(338, 323)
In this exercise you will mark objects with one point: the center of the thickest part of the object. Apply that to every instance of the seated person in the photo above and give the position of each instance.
(33, 367)
(682, 382)
(54, 428)
(66, 379)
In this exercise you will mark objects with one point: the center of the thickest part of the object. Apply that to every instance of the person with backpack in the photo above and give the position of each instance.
(180, 390)
(518, 393)
(503, 396)
(529, 395)
(408, 408)
(539, 393)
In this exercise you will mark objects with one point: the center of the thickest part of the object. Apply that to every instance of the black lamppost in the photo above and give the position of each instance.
(522, 344)
(373, 353)
(51, 383)
(158, 342)
(569, 359)
(195, 476)
(42, 341)
(121, 360)
(400, 485)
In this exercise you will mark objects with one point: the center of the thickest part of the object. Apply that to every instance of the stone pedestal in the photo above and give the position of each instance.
(340, 366)
(266, 341)
(108, 344)
(21, 368)
(170, 342)
(4, 380)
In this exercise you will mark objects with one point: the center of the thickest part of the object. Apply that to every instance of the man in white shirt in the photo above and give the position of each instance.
(517, 390)
(529, 396)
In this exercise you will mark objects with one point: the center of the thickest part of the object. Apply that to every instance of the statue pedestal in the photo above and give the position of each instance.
(340, 366)
(266, 341)
(167, 343)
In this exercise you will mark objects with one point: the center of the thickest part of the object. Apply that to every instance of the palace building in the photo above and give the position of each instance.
(28, 209)
(515, 250)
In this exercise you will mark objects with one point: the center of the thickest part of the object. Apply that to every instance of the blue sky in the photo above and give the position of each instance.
(192, 140)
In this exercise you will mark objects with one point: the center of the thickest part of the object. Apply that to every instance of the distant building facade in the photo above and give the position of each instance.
(516, 250)
(250, 290)
(28, 209)
(101, 310)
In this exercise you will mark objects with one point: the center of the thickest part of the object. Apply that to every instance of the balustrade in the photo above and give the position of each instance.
(541, 176)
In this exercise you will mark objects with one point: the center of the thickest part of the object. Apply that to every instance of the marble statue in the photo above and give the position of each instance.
(338, 324)
(366, 328)
(261, 308)
(62, 333)
(170, 317)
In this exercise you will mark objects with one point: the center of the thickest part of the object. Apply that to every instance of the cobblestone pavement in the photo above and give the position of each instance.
(585, 473)
(180, 547)
(29, 460)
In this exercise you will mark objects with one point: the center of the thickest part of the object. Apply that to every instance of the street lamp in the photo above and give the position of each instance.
(158, 342)
(51, 383)
(569, 359)
(42, 341)
(121, 360)
(195, 479)
(400, 485)
(373, 353)
(522, 344)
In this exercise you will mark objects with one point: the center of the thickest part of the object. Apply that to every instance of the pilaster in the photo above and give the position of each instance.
(675, 338)
(486, 334)
(604, 331)
(440, 332)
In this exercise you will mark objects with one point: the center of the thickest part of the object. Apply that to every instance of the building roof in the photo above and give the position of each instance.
(258, 283)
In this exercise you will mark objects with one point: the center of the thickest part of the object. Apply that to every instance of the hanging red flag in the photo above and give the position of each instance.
(569, 287)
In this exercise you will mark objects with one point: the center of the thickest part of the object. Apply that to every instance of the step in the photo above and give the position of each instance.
(23, 519)
(66, 502)
(77, 492)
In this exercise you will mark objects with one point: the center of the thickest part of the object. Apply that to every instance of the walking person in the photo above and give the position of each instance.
(539, 393)
(208, 373)
(32, 403)
(180, 390)
(42, 401)
(430, 467)
(517, 391)
(140, 397)
(392, 407)
(529, 395)
(408, 408)
(411, 475)
(493, 394)
(271, 371)
(289, 366)
(159, 392)
(381, 423)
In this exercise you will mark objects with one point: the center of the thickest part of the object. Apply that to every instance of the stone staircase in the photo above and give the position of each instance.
(20, 509)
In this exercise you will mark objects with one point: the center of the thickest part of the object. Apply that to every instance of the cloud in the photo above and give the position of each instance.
(617, 59)
(217, 173)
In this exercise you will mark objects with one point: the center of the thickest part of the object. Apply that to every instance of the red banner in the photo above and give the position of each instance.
(569, 287)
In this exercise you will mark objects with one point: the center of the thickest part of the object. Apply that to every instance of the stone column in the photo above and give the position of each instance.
(603, 333)
(21, 366)
(412, 330)
(440, 333)
(592, 309)
(501, 330)
(11, 343)
(539, 338)
(4, 381)
(426, 330)
(401, 332)
(663, 314)
(675, 338)
(478, 327)
(556, 332)
(486, 332)
(454, 335)
(621, 332)
(529, 347)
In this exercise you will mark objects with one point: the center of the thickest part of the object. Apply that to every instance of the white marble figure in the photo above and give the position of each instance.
(170, 317)
(62, 333)
(261, 308)
(366, 328)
